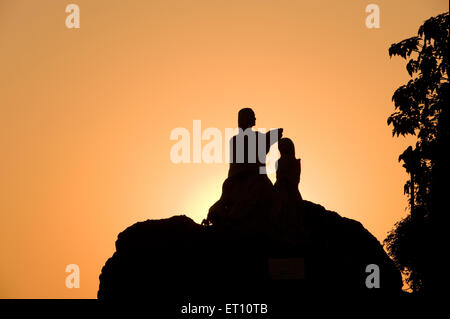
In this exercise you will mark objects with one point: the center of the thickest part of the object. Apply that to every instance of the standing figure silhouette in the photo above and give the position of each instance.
(286, 215)
(288, 170)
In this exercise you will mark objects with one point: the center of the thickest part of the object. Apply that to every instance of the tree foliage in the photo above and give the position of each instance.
(422, 110)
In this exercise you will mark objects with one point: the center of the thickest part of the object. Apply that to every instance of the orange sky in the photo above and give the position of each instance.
(86, 115)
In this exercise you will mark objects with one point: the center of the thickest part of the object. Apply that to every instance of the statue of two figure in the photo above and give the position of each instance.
(249, 201)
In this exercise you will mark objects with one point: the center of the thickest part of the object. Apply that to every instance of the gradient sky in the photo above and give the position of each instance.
(86, 115)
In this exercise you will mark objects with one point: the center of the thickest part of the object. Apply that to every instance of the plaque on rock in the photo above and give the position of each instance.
(287, 268)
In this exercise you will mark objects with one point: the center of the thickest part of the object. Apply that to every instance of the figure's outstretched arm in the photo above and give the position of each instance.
(276, 134)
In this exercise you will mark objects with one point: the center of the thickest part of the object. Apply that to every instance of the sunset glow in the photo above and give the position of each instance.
(86, 116)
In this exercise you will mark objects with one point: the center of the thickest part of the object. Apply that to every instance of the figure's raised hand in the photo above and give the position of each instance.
(280, 133)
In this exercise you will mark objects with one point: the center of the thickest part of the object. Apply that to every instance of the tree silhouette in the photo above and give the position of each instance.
(422, 110)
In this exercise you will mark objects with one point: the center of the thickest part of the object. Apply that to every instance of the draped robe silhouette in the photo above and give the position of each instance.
(287, 220)
(247, 192)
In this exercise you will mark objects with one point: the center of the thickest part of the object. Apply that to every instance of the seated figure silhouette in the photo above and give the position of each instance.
(247, 192)
(287, 221)
(248, 149)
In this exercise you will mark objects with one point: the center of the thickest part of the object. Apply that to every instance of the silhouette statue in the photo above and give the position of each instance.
(248, 149)
(259, 241)
(288, 170)
(247, 192)
(287, 205)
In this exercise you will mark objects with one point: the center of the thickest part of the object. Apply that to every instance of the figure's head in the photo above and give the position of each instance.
(246, 118)
(286, 147)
